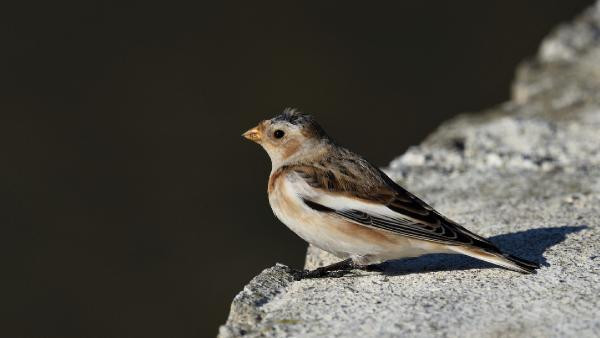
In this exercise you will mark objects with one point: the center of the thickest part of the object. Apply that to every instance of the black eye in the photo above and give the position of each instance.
(278, 133)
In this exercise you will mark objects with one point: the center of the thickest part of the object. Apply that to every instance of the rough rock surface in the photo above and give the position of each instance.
(525, 174)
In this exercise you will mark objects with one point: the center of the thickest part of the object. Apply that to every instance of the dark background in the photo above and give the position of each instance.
(129, 204)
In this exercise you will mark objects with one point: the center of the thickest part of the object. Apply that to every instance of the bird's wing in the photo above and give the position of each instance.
(374, 200)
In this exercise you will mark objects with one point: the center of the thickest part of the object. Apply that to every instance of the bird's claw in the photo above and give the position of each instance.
(318, 273)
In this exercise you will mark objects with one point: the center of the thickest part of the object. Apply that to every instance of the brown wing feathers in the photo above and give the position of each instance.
(421, 220)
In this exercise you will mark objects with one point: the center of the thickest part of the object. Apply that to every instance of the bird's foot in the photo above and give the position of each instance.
(305, 274)
(338, 269)
(318, 273)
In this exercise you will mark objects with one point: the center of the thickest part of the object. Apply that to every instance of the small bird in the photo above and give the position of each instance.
(339, 202)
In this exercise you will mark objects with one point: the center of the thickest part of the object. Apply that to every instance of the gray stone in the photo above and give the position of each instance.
(525, 174)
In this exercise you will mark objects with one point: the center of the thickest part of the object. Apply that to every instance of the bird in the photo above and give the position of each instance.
(339, 202)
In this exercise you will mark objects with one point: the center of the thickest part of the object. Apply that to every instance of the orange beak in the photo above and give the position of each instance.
(253, 135)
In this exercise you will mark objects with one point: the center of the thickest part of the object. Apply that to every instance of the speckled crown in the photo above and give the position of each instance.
(304, 121)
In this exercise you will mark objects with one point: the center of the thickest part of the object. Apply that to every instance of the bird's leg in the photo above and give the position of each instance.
(344, 265)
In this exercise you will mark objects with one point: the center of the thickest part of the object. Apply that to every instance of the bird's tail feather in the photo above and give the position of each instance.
(504, 260)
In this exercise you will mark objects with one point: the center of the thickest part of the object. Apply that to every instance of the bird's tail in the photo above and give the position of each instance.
(502, 259)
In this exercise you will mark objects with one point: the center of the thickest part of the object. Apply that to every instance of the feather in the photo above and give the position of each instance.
(331, 187)
(372, 199)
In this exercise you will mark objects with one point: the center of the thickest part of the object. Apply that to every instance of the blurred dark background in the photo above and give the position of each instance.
(129, 204)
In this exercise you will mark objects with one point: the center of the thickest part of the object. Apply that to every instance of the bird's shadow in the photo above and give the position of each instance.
(529, 244)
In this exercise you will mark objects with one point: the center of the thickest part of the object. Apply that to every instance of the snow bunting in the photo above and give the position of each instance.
(339, 202)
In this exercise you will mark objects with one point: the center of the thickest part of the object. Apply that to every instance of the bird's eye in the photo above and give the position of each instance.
(278, 133)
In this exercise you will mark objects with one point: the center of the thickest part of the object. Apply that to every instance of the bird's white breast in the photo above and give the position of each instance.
(328, 232)
(332, 233)
(310, 225)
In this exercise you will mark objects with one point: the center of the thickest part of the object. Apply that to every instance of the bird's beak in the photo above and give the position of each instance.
(253, 134)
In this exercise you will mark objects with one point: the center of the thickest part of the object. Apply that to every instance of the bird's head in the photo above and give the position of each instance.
(288, 137)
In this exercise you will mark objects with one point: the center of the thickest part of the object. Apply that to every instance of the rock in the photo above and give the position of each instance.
(525, 174)
(246, 310)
